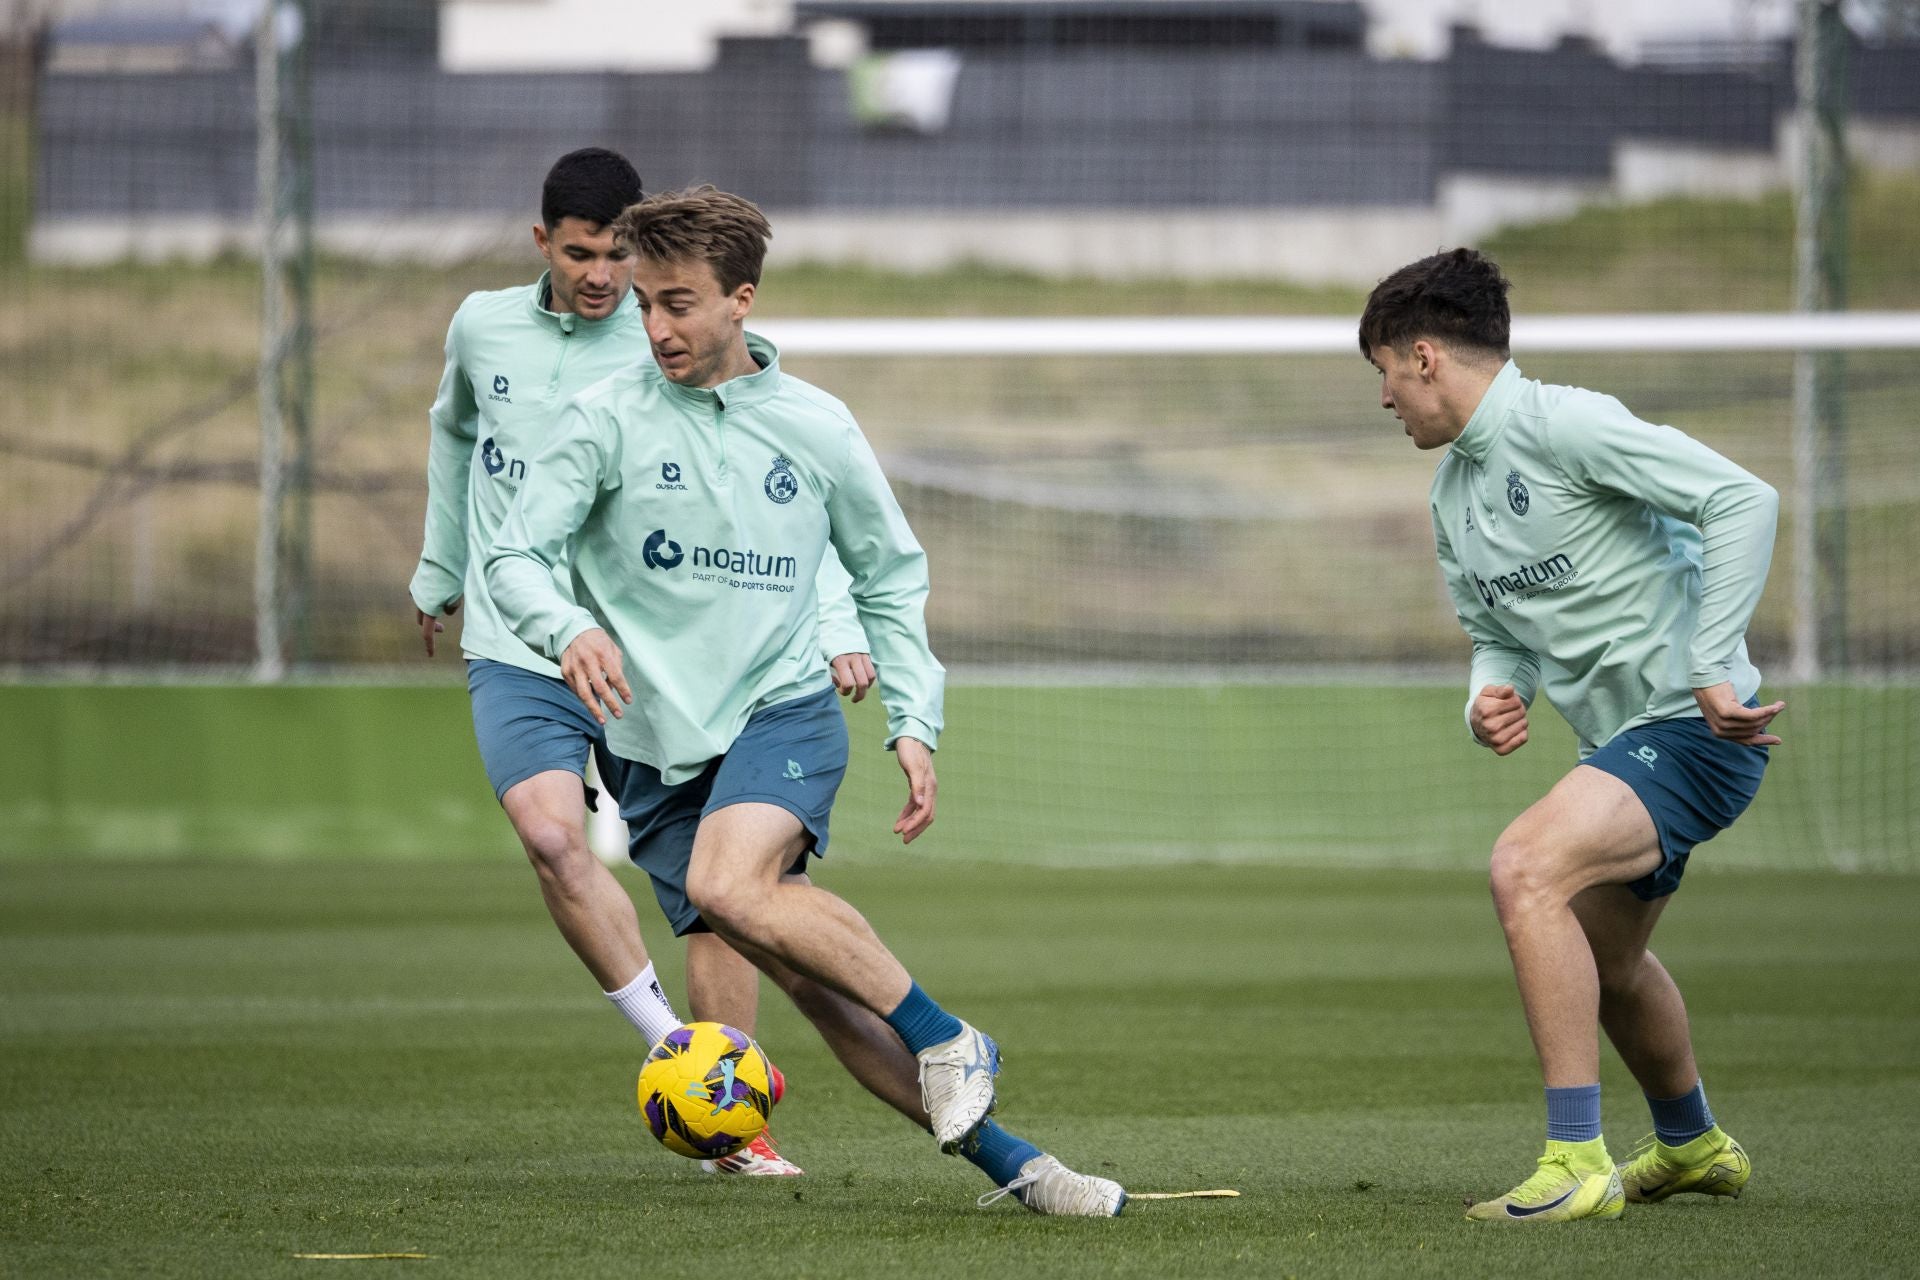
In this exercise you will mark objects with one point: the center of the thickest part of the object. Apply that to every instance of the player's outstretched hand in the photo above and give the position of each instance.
(431, 626)
(591, 668)
(1499, 719)
(852, 674)
(916, 761)
(1729, 718)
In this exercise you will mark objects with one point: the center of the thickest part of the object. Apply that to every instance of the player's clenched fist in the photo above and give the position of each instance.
(1499, 719)
(591, 668)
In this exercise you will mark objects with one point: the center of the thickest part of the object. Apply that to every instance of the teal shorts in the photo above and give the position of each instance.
(792, 754)
(527, 723)
(1693, 784)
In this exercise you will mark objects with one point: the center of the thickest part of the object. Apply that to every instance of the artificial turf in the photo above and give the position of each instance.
(207, 1069)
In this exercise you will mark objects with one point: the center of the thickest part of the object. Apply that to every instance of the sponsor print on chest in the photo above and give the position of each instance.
(771, 569)
(1507, 571)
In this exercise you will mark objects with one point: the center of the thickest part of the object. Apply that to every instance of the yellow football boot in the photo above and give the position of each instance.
(1574, 1180)
(1713, 1164)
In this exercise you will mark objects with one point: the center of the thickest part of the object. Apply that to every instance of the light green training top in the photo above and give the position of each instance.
(1612, 562)
(708, 583)
(511, 366)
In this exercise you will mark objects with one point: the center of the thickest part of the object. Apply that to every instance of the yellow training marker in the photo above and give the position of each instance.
(1183, 1195)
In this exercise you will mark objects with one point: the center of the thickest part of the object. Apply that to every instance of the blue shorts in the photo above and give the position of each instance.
(792, 754)
(527, 723)
(1693, 784)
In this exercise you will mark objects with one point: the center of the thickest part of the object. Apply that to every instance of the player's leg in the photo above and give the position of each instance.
(737, 882)
(1641, 1008)
(1590, 829)
(534, 738)
(769, 809)
(1646, 1018)
(593, 912)
(1694, 785)
(722, 985)
(826, 955)
(862, 1041)
(875, 1056)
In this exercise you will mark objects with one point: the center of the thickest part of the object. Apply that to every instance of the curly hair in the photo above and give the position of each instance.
(592, 184)
(1458, 296)
(702, 224)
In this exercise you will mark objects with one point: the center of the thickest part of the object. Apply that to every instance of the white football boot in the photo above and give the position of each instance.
(956, 1085)
(1047, 1186)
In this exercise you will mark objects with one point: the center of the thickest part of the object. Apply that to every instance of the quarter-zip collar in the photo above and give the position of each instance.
(1477, 438)
(735, 393)
(569, 323)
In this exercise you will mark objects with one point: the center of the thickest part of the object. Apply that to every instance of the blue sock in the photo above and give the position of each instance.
(1573, 1115)
(921, 1022)
(1678, 1121)
(997, 1153)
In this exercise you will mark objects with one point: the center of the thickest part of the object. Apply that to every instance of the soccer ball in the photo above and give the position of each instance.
(705, 1090)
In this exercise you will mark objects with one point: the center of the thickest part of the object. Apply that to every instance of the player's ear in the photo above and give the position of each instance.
(540, 240)
(743, 300)
(1426, 359)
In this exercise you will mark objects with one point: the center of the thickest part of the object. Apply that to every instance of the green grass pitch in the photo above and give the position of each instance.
(206, 1069)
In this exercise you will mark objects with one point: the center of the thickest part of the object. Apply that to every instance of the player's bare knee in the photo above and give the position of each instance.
(1520, 879)
(557, 849)
(722, 900)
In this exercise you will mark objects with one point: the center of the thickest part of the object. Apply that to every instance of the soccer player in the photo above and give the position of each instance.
(1614, 565)
(514, 357)
(694, 639)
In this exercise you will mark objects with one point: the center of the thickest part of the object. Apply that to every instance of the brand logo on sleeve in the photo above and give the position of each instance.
(1517, 496)
(781, 484)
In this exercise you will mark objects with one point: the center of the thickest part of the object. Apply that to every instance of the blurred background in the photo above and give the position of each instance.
(1183, 572)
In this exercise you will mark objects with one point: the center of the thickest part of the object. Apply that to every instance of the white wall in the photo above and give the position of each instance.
(598, 35)
(1418, 28)
(489, 35)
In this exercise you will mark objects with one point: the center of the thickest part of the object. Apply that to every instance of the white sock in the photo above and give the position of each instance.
(646, 1006)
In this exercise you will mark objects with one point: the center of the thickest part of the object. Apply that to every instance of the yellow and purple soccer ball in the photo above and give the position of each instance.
(705, 1090)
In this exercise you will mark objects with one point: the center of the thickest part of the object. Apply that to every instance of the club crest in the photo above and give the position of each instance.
(1517, 496)
(781, 484)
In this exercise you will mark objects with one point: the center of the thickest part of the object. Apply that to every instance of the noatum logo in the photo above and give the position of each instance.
(661, 552)
(1546, 573)
(753, 564)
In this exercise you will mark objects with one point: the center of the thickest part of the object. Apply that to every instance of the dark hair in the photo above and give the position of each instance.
(702, 224)
(592, 184)
(1458, 296)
